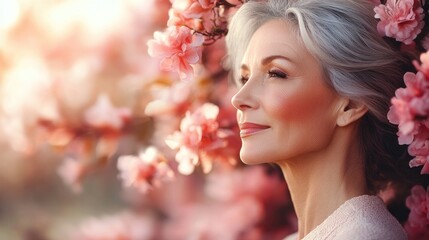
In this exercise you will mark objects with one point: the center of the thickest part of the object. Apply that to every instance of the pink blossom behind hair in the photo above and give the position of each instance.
(409, 103)
(410, 111)
(417, 224)
(178, 47)
(400, 19)
(420, 148)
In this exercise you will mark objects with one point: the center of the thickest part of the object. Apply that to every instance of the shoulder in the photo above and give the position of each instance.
(371, 220)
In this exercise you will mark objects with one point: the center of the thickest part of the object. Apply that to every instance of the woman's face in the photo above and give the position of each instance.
(284, 108)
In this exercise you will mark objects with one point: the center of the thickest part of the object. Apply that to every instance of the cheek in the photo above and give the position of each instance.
(303, 105)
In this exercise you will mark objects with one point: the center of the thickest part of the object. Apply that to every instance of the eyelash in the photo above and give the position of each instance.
(271, 73)
(277, 74)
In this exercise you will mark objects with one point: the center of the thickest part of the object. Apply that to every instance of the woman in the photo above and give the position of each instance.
(316, 81)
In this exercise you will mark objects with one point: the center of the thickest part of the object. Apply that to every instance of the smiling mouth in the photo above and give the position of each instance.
(248, 129)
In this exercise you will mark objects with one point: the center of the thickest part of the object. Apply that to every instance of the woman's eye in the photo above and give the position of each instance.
(277, 74)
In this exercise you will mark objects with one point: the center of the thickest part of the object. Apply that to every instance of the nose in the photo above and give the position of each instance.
(244, 98)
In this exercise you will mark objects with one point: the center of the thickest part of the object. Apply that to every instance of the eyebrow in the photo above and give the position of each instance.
(268, 59)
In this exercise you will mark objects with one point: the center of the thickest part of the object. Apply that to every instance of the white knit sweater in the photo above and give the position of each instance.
(364, 218)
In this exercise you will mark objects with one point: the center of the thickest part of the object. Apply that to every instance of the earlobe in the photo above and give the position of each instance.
(350, 112)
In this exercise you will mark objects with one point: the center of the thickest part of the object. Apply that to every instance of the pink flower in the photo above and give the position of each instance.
(104, 115)
(418, 203)
(176, 18)
(193, 8)
(179, 48)
(410, 110)
(420, 149)
(125, 225)
(424, 58)
(409, 103)
(400, 19)
(145, 171)
(199, 134)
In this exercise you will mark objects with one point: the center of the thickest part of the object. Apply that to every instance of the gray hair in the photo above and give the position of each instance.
(358, 63)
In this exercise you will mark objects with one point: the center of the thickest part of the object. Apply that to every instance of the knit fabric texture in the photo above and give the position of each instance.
(363, 217)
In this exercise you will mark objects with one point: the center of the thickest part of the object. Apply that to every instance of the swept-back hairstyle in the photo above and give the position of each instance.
(357, 62)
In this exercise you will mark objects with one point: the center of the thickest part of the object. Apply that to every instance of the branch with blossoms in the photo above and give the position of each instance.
(194, 26)
(191, 25)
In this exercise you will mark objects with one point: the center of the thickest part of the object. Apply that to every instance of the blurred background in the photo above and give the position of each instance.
(75, 84)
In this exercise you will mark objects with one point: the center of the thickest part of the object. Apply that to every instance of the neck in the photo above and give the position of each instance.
(321, 181)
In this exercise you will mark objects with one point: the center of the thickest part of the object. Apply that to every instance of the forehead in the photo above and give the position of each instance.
(276, 37)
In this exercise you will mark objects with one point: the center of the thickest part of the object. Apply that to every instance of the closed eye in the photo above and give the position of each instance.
(277, 74)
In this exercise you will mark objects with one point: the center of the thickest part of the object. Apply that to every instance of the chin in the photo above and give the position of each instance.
(253, 159)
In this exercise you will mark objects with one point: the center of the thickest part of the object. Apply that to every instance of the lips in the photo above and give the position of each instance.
(248, 129)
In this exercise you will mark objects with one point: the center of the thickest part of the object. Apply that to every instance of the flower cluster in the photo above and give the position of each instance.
(404, 21)
(179, 48)
(400, 19)
(191, 24)
(143, 172)
(198, 139)
(418, 221)
(410, 110)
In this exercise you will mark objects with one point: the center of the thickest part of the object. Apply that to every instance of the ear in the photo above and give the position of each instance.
(350, 112)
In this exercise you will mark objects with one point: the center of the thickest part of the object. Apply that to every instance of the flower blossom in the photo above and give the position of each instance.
(424, 66)
(176, 18)
(199, 135)
(418, 219)
(409, 103)
(420, 149)
(193, 8)
(178, 47)
(400, 19)
(145, 171)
